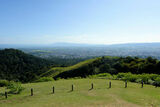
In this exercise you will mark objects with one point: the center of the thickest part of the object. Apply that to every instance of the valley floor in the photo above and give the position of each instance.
(100, 96)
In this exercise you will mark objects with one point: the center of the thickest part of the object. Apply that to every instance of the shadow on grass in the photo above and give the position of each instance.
(70, 91)
(90, 89)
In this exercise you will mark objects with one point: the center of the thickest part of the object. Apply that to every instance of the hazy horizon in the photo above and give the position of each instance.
(42, 22)
(79, 43)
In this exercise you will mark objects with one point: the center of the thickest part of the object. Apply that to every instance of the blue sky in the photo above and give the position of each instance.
(79, 21)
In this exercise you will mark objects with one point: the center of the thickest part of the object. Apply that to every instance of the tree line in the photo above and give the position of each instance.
(19, 66)
(115, 65)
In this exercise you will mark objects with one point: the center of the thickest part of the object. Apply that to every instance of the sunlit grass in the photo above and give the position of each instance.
(101, 95)
(57, 70)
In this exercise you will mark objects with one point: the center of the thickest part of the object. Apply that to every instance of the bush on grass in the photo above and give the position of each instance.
(4, 83)
(45, 79)
(14, 87)
(157, 82)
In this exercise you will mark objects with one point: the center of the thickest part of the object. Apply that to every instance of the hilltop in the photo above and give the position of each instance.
(100, 96)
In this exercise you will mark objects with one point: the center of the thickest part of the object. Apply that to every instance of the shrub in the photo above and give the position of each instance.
(59, 78)
(121, 75)
(105, 75)
(15, 87)
(145, 78)
(151, 82)
(132, 78)
(3, 83)
(138, 80)
(153, 76)
(75, 78)
(127, 77)
(102, 75)
(45, 79)
(114, 77)
(157, 82)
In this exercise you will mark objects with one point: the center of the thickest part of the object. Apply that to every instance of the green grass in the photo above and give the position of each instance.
(57, 70)
(100, 96)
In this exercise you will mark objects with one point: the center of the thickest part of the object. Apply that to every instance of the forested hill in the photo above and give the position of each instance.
(112, 65)
(19, 66)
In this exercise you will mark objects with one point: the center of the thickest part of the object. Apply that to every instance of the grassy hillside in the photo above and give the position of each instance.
(112, 65)
(19, 66)
(100, 96)
(53, 72)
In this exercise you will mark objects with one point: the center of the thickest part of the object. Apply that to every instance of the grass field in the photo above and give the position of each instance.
(100, 96)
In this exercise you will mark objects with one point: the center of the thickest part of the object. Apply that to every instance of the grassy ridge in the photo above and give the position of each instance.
(117, 96)
(112, 65)
(57, 70)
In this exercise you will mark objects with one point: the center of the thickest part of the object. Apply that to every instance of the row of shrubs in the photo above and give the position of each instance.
(12, 87)
(152, 79)
(44, 79)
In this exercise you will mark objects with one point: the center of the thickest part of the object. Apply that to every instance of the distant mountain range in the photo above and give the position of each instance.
(65, 44)
(157, 44)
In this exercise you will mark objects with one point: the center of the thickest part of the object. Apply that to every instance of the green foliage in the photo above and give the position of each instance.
(81, 69)
(127, 77)
(45, 79)
(152, 79)
(58, 78)
(102, 75)
(112, 65)
(19, 66)
(151, 82)
(15, 87)
(157, 81)
(139, 80)
(4, 83)
(114, 77)
(145, 78)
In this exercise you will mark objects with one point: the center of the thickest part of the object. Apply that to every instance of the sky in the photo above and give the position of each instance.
(79, 21)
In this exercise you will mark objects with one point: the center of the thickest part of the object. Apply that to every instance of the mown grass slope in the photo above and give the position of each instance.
(53, 72)
(100, 96)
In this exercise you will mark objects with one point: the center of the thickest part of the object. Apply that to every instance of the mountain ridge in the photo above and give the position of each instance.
(69, 44)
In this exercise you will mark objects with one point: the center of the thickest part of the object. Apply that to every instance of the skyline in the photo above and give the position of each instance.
(80, 21)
